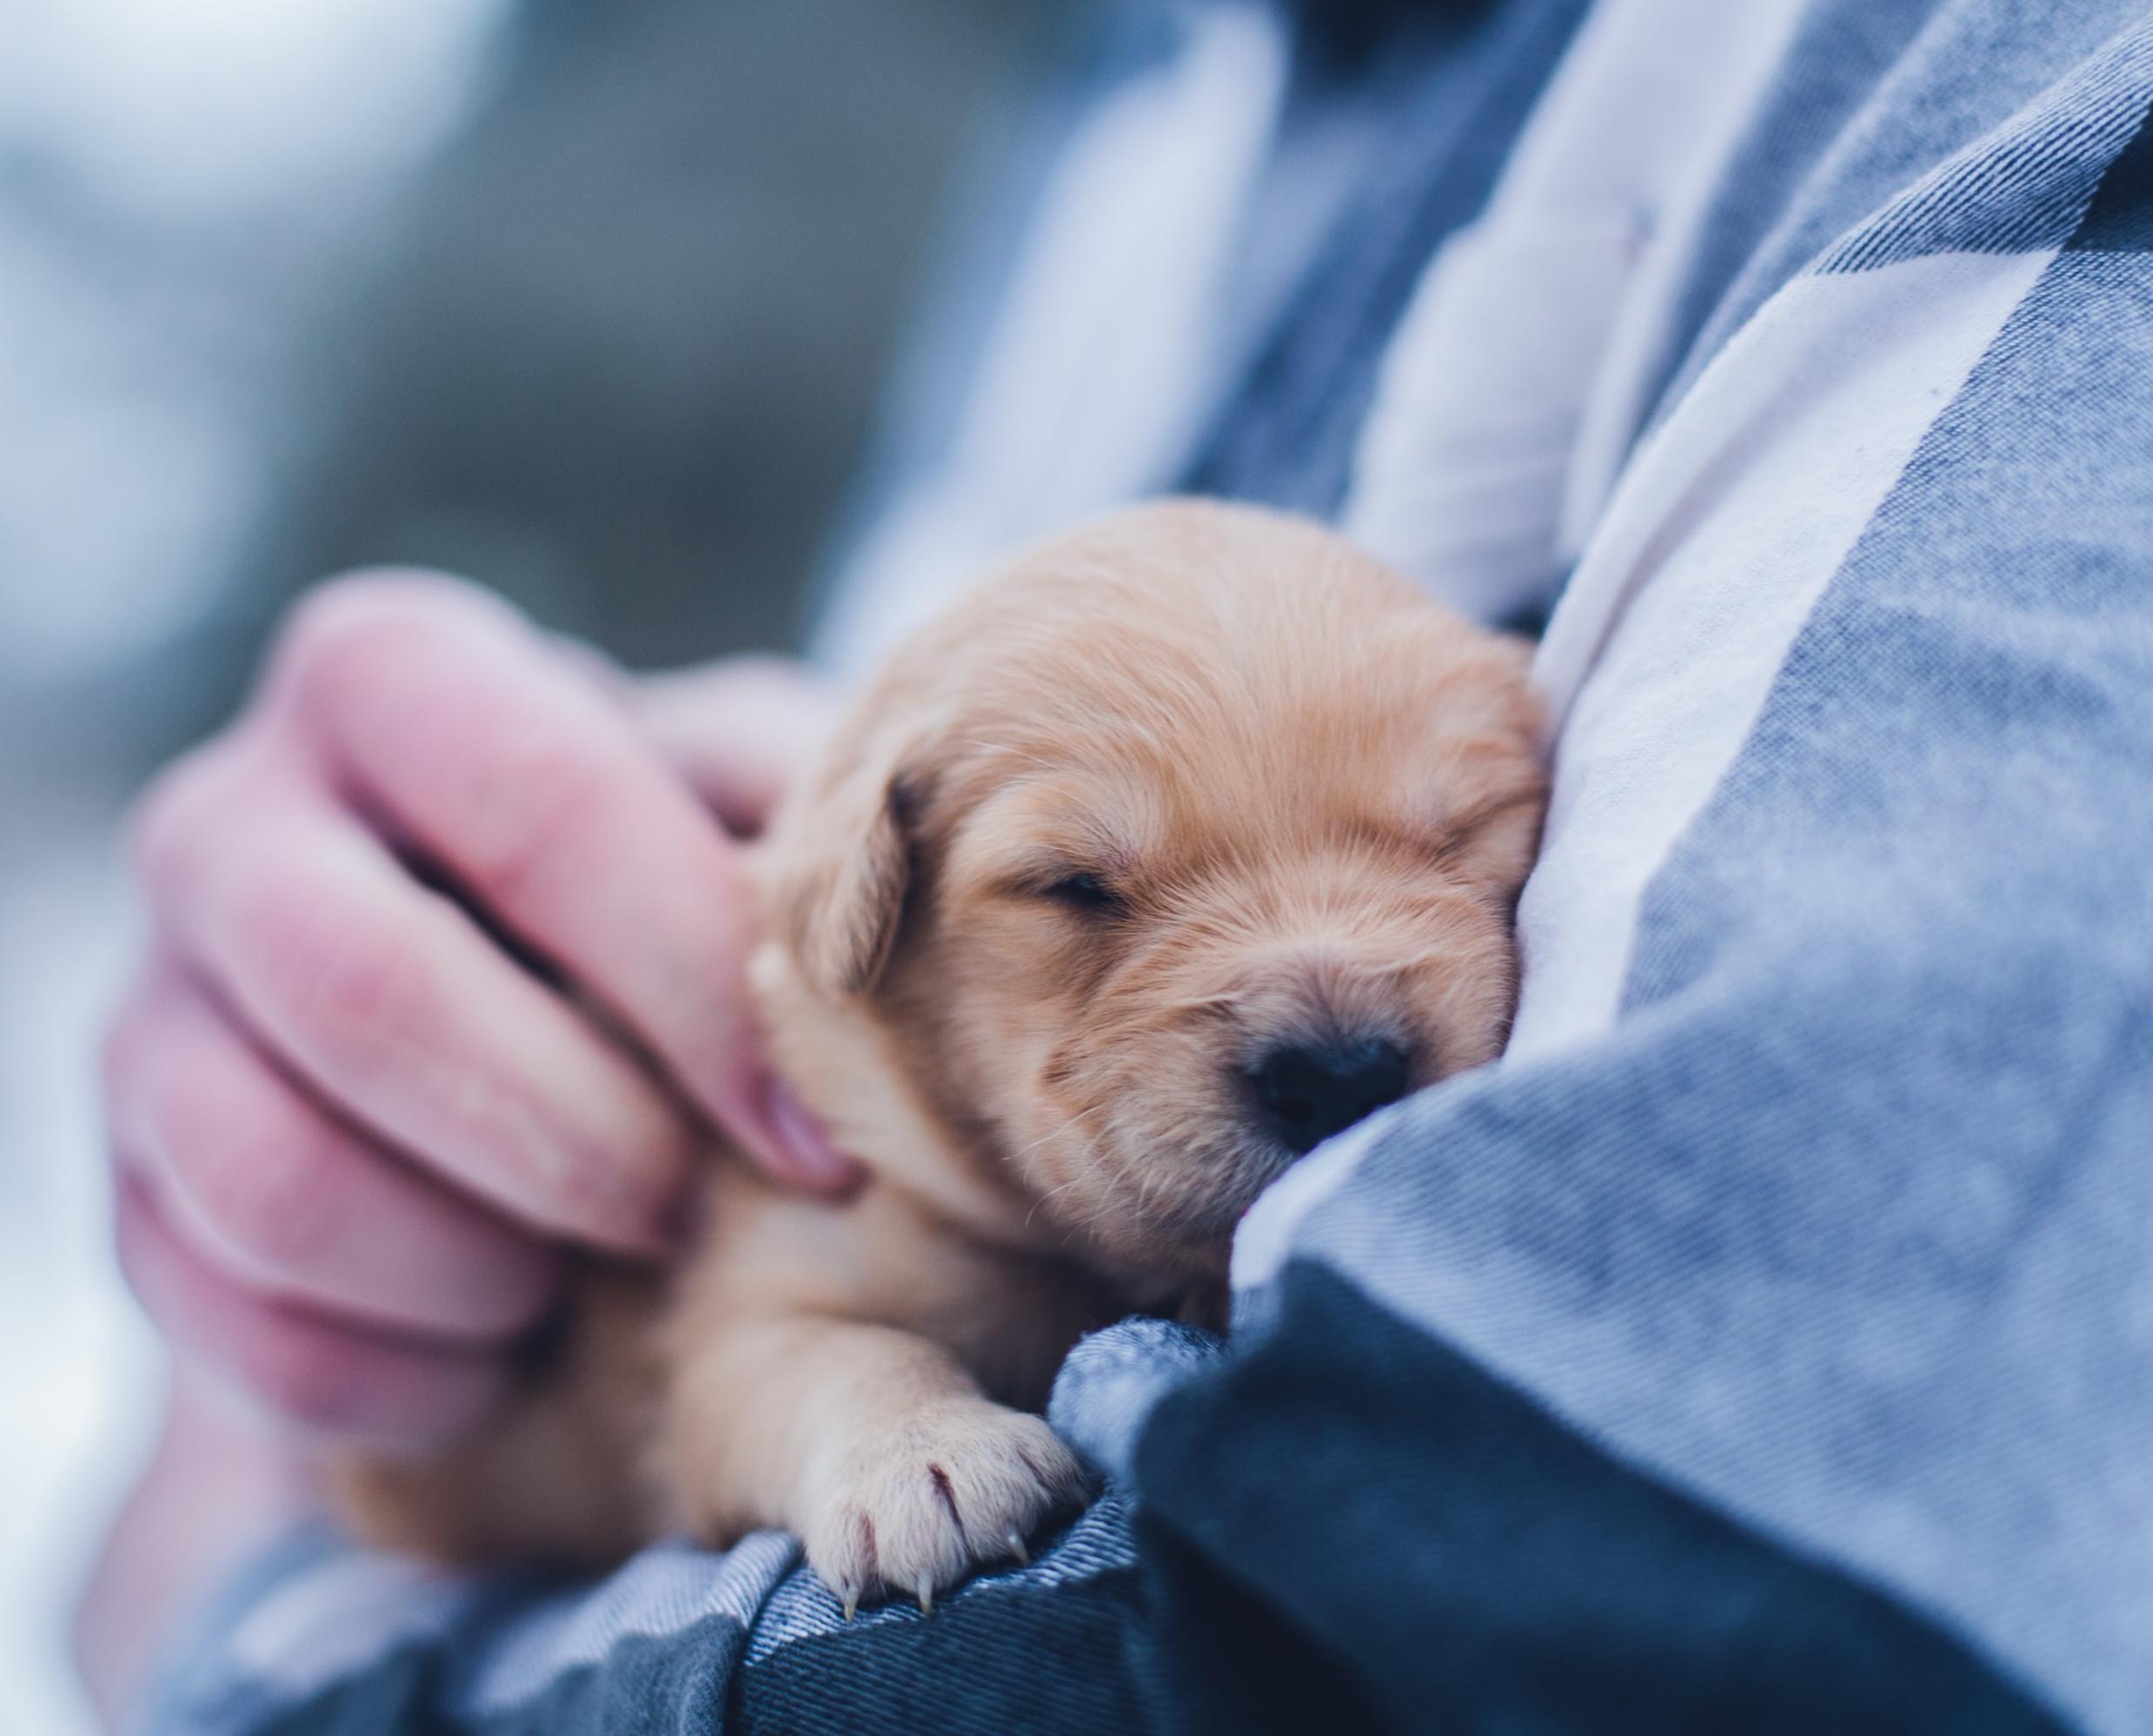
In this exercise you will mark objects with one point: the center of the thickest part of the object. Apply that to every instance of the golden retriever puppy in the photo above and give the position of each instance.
(1190, 840)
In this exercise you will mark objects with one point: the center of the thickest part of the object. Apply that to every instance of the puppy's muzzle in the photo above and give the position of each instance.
(1307, 1088)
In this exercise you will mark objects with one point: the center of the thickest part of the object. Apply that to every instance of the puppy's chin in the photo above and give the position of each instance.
(1163, 1200)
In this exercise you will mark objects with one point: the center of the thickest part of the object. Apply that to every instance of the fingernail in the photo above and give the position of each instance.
(809, 1152)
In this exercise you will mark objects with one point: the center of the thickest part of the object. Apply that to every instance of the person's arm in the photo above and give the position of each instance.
(358, 1095)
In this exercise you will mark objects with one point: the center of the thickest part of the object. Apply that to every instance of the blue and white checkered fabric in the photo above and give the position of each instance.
(1766, 1344)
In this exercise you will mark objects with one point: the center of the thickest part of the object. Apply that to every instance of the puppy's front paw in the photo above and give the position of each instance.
(913, 1507)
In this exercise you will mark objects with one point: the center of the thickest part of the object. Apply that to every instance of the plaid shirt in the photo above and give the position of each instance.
(1766, 1344)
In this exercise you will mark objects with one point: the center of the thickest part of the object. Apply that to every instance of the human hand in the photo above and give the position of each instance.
(352, 1128)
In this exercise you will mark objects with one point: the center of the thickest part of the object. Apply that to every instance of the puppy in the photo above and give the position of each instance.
(1190, 840)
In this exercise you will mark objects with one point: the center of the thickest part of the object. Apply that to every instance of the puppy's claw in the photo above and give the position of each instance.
(852, 1604)
(926, 1596)
(1022, 1555)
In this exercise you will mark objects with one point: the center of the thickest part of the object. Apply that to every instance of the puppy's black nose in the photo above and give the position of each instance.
(1307, 1091)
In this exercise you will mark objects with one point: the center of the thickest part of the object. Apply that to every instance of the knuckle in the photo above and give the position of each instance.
(526, 803)
(358, 991)
(350, 627)
(350, 986)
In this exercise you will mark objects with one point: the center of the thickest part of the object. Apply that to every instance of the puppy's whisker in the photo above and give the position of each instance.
(1112, 1175)
(1050, 1194)
(1056, 1133)
(1115, 1182)
(1091, 1160)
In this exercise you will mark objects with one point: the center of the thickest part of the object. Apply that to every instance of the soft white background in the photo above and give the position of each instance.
(180, 182)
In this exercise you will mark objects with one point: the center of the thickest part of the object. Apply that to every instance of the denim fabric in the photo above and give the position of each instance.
(1112, 1382)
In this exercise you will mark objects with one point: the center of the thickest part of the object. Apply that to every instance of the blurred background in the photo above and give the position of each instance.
(589, 299)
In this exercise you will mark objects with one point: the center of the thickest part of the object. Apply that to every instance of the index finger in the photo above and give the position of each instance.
(497, 759)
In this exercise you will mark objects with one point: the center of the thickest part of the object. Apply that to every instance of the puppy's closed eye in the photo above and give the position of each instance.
(1085, 892)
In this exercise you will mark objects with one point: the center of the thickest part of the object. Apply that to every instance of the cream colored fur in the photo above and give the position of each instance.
(1305, 796)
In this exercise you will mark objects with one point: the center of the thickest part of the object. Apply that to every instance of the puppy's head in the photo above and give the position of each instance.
(1190, 840)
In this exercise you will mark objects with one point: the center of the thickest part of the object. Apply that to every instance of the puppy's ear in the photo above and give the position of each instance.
(844, 874)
